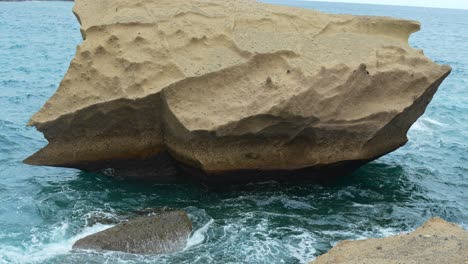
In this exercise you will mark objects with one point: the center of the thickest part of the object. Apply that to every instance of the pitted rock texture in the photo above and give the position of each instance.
(166, 232)
(225, 86)
(436, 242)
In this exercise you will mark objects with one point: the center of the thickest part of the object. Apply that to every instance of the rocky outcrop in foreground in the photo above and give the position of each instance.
(165, 232)
(436, 242)
(229, 86)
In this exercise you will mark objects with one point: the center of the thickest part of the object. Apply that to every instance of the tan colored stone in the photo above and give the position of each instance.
(235, 85)
(436, 242)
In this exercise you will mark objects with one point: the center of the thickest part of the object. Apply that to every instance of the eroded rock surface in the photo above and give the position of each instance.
(436, 242)
(226, 86)
(165, 232)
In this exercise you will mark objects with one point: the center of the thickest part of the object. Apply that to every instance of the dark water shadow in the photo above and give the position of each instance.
(374, 182)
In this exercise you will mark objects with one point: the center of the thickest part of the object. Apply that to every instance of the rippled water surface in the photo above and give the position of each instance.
(44, 210)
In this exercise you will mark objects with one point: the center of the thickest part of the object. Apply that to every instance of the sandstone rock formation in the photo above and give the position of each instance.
(436, 242)
(166, 232)
(227, 86)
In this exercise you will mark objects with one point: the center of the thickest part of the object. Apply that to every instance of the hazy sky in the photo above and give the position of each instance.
(459, 4)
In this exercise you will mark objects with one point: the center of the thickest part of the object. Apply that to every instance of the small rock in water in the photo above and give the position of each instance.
(166, 232)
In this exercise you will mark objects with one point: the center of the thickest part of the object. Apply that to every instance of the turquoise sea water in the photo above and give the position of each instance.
(44, 210)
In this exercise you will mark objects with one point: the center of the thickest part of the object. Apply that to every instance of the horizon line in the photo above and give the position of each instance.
(378, 4)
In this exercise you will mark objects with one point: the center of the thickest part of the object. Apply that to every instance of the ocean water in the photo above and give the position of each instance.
(44, 210)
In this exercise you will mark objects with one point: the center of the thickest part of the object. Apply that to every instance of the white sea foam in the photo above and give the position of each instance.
(426, 124)
(265, 243)
(363, 205)
(432, 121)
(286, 201)
(198, 236)
(38, 252)
(379, 232)
(420, 126)
(302, 247)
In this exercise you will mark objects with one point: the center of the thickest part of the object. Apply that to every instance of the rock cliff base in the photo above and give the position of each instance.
(436, 242)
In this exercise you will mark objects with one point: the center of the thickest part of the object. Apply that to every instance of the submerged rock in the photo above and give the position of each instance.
(436, 242)
(229, 86)
(166, 232)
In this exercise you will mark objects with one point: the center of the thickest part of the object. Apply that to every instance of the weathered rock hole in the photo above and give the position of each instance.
(139, 39)
(100, 50)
